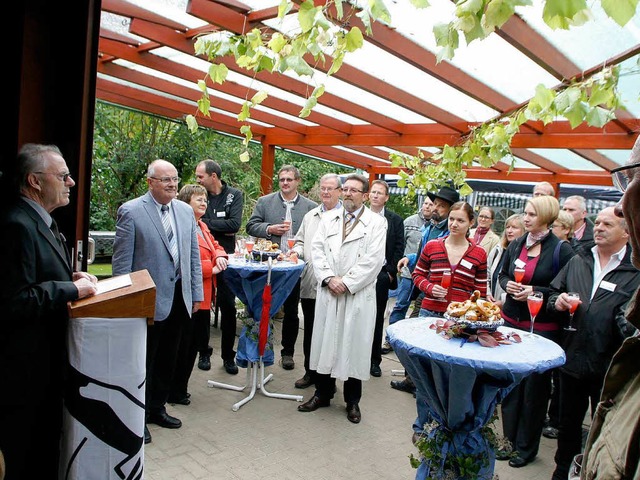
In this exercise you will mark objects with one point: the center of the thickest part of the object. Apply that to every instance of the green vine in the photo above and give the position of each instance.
(324, 31)
(593, 100)
(434, 437)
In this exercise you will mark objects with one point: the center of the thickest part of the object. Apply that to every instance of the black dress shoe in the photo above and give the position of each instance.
(375, 370)
(518, 462)
(180, 400)
(204, 363)
(353, 413)
(313, 404)
(403, 385)
(147, 435)
(230, 367)
(164, 420)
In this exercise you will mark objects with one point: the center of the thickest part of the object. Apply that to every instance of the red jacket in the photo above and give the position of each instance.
(210, 249)
(470, 274)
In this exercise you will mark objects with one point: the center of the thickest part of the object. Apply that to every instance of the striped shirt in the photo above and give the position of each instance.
(470, 274)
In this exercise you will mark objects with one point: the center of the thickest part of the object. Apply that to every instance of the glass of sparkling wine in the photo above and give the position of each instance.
(534, 302)
(518, 274)
(574, 300)
(248, 244)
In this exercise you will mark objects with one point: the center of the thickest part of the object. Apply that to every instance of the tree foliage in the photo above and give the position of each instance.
(126, 141)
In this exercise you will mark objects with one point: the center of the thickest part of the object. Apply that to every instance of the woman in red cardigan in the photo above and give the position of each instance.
(456, 253)
(195, 336)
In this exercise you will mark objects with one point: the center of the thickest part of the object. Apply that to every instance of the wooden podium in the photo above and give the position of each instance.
(136, 300)
(104, 410)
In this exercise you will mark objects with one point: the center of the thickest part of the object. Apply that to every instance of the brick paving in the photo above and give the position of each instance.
(268, 438)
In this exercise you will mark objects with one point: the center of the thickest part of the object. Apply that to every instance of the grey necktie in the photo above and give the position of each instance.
(173, 244)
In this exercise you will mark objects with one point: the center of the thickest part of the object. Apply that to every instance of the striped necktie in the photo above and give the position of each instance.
(348, 224)
(173, 244)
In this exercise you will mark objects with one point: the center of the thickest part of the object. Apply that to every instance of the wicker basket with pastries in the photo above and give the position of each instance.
(475, 314)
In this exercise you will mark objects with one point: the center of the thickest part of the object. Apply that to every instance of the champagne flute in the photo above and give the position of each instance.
(518, 274)
(291, 242)
(446, 279)
(534, 302)
(248, 244)
(574, 300)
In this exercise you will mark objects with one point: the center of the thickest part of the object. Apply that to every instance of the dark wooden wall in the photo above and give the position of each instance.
(50, 75)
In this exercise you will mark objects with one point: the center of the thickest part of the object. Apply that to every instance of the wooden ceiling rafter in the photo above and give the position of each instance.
(329, 132)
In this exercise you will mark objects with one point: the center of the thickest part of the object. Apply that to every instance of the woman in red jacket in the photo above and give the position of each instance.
(195, 336)
(456, 253)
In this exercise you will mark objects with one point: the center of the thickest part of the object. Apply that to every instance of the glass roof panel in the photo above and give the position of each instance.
(566, 159)
(621, 157)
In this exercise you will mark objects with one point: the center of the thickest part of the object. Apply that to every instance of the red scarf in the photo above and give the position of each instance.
(480, 233)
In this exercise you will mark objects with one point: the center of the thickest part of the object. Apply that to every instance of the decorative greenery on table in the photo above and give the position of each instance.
(468, 466)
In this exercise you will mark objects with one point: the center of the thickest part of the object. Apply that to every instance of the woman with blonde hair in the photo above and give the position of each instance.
(563, 226)
(525, 408)
(513, 228)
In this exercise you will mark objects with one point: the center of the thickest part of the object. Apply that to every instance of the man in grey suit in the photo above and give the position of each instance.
(276, 217)
(156, 233)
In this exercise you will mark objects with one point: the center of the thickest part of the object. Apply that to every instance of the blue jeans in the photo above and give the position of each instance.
(403, 300)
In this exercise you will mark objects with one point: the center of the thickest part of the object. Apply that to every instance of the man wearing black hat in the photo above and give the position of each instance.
(436, 228)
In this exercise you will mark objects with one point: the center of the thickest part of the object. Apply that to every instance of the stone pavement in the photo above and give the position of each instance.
(268, 438)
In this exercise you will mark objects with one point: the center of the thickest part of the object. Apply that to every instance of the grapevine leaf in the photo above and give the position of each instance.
(203, 105)
(245, 112)
(284, 8)
(259, 97)
(218, 72)
(298, 65)
(202, 85)
(564, 13)
(379, 11)
(576, 113)
(245, 157)
(277, 42)
(306, 15)
(621, 11)
(354, 39)
(192, 124)
(598, 116)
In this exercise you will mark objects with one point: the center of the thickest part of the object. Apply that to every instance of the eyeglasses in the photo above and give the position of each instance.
(484, 217)
(621, 178)
(351, 190)
(167, 180)
(61, 176)
(328, 189)
(286, 180)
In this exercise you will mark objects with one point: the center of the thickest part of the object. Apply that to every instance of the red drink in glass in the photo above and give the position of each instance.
(249, 245)
(291, 242)
(574, 301)
(518, 274)
(446, 279)
(534, 304)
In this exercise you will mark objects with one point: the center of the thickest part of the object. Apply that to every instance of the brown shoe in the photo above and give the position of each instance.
(405, 385)
(353, 413)
(313, 404)
(386, 348)
(304, 382)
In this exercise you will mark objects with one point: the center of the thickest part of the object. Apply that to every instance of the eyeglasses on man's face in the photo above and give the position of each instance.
(328, 189)
(286, 180)
(60, 176)
(167, 180)
(350, 190)
(621, 176)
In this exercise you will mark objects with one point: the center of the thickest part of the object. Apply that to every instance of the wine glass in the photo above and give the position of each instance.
(291, 242)
(518, 274)
(574, 300)
(534, 302)
(248, 244)
(446, 279)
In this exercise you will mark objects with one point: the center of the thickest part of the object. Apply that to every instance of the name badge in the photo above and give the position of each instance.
(466, 264)
(220, 214)
(610, 287)
(519, 263)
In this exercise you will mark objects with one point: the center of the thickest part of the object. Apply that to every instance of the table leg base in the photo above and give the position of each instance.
(252, 379)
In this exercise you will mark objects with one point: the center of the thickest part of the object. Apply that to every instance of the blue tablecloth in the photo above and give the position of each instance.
(458, 389)
(247, 281)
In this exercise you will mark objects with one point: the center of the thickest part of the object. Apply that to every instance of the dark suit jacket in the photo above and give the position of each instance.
(35, 286)
(394, 250)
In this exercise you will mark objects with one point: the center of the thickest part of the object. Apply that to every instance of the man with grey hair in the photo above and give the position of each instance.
(276, 217)
(36, 284)
(330, 191)
(606, 280)
(576, 205)
(158, 233)
(543, 188)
